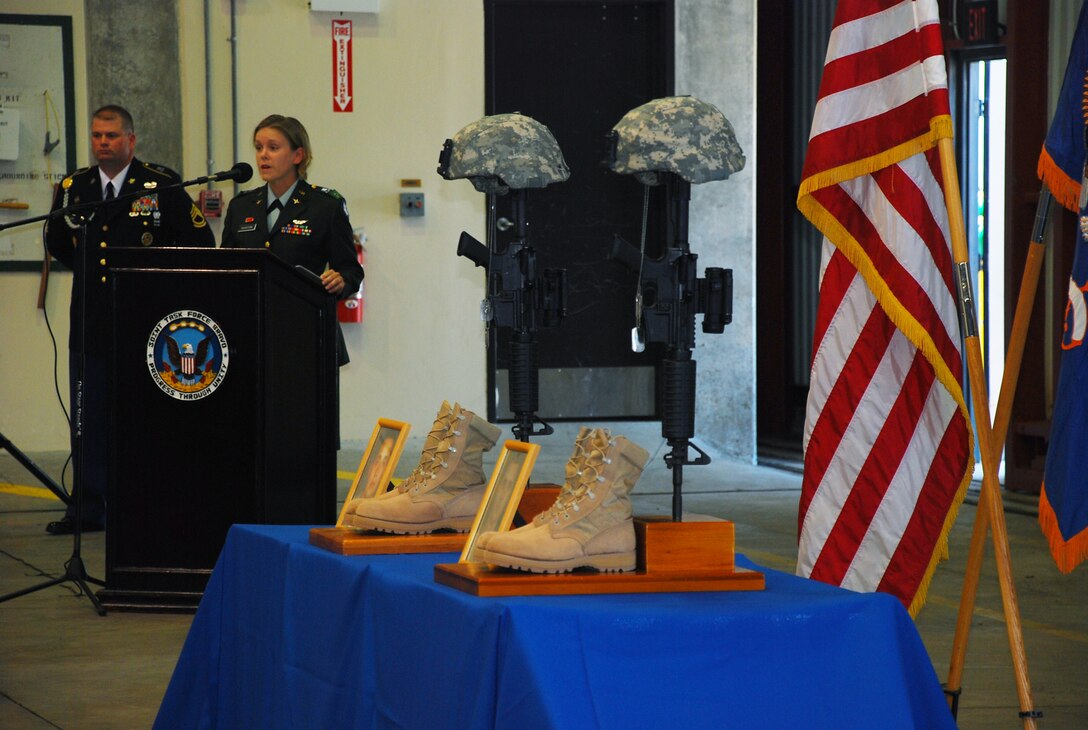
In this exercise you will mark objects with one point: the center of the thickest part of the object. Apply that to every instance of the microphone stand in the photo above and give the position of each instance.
(74, 569)
(58, 490)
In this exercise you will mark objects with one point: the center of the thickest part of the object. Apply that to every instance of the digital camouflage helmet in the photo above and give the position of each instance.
(678, 134)
(502, 152)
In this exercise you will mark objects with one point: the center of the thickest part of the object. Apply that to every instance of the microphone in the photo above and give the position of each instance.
(241, 172)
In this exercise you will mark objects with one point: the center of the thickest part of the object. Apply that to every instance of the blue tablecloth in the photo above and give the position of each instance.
(292, 636)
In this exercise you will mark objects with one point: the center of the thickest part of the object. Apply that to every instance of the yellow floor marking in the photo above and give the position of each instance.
(24, 491)
(1078, 636)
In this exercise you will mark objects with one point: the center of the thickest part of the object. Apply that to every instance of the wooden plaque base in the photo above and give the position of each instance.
(346, 541)
(672, 557)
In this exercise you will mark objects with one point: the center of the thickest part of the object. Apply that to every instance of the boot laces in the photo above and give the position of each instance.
(579, 489)
(425, 469)
(428, 469)
(426, 472)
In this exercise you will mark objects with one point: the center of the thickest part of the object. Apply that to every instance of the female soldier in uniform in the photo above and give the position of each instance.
(301, 223)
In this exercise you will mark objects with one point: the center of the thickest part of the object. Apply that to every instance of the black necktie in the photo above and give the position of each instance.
(273, 212)
(110, 194)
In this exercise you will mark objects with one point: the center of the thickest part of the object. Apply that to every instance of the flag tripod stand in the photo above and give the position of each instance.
(1024, 305)
(990, 508)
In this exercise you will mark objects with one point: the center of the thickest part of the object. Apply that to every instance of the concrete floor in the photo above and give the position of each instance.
(63, 666)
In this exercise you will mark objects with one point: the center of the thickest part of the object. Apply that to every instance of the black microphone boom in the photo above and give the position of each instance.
(241, 172)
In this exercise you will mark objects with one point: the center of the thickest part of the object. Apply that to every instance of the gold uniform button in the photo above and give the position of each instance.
(102, 262)
(105, 228)
(103, 280)
(102, 244)
(267, 244)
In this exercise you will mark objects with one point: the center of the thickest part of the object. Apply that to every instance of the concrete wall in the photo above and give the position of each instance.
(418, 77)
(715, 62)
(140, 72)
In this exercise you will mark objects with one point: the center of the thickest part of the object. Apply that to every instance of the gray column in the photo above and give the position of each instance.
(133, 60)
(715, 62)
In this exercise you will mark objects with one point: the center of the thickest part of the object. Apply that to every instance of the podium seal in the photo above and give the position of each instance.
(187, 355)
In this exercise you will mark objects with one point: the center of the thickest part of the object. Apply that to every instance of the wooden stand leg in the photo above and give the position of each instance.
(991, 494)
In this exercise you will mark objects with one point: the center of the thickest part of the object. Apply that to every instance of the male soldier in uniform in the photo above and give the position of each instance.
(154, 217)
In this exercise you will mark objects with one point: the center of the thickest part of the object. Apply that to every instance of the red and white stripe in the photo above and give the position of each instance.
(887, 441)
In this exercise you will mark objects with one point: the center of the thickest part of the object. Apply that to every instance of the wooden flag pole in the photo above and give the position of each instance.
(991, 496)
(1013, 358)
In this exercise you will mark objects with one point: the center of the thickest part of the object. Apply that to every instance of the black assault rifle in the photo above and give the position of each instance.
(671, 295)
(522, 300)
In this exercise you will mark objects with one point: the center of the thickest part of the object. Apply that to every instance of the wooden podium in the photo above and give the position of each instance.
(222, 408)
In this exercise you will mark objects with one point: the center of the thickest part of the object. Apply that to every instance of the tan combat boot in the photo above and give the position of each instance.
(572, 471)
(439, 430)
(442, 494)
(589, 525)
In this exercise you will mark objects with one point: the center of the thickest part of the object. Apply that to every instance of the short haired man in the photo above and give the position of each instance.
(155, 217)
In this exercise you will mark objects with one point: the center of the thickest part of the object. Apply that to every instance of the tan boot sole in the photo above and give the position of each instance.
(605, 562)
(457, 524)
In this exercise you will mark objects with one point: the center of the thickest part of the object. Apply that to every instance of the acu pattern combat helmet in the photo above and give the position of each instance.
(677, 134)
(504, 151)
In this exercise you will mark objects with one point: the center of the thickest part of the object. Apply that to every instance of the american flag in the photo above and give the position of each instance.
(888, 442)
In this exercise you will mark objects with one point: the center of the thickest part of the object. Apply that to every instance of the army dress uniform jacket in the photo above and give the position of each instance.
(167, 218)
(311, 231)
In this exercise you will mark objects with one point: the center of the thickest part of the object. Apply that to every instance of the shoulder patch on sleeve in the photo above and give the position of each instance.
(330, 191)
(199, 221)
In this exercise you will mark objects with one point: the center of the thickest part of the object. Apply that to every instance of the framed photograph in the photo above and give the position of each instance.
(379, 460)
(504, 491)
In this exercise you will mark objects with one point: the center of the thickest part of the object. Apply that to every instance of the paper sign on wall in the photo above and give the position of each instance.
(9, 134)
(341, 66)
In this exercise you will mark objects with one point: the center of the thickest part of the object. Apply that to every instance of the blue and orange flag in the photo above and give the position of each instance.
(1063, 501)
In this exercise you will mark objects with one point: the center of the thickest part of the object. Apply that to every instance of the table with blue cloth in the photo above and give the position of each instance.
(289, 635)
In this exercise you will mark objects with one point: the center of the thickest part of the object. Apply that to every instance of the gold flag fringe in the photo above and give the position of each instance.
(835, 232)
(938, 127)
(1065, 189)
